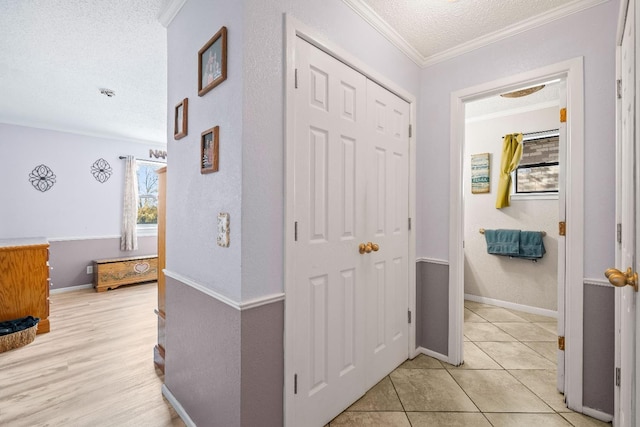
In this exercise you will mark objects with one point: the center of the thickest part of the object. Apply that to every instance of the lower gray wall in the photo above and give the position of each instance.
(599, 348)
(69, 258)
(224, 366)
(432, 306)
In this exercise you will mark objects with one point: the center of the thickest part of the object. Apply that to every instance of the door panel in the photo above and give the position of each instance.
(329, 209)
(388, 136)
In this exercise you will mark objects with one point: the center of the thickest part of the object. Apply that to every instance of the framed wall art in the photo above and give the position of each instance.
(180, 120)
(212, 62)
(480, 173)
(209, 147)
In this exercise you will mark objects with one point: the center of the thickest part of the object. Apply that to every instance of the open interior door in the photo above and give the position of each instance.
(624, 276)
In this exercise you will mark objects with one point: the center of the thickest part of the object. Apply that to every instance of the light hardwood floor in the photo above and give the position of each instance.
(95, 368)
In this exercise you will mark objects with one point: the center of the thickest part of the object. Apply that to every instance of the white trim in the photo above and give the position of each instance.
(240, 306)
(386, 30)
(512, 306)
(177, 406)
(69, 239)
(434, 354)
(533, 196)
(169, 11)
(294, 28)
(69, 289)
(598, 415)
(573, 71)
(432, 260)
(622, 17)
(74, 238)
(362, 9)
(598, 282)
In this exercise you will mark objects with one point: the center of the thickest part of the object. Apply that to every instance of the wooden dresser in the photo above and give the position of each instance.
(24, 280)
(158, 351)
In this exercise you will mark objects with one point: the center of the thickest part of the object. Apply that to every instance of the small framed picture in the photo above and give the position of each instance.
(209, 146)
(212, 62)
(480, 173)
(180, 119)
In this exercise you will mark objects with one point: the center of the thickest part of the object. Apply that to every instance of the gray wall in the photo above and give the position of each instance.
(432, 316)
(599, 342)
(69, 258)
(223, 365)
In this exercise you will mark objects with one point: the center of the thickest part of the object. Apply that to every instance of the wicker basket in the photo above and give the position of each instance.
(18, 339)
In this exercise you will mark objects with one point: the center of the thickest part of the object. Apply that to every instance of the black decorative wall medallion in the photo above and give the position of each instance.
(101, 170)
(42, 178)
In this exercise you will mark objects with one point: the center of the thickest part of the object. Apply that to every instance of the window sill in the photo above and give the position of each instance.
(539, 196)
(147, 230)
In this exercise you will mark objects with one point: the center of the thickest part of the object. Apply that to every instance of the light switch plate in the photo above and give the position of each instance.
(223, 229)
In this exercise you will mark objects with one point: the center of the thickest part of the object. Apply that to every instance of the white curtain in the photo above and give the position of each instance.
(129, 239)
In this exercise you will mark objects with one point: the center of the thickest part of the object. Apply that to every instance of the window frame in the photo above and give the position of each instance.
(540, 195)
(147, 229)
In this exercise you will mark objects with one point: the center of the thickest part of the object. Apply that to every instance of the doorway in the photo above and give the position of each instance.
(570, 292)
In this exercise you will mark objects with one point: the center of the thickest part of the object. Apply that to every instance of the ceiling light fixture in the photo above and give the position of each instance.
(107, 92)
(522, 92)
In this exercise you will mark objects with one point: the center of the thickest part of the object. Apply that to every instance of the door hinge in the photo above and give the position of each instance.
(563, 115)
(617, 377)
(295, 78)
(409, 316)
(295, 383)
(410, 131)
(562, 228)
(409, 223)
(561, 343)
(295, 231)
(619, 88)
(619, 233)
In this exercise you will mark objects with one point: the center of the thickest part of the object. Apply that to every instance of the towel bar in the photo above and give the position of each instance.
(544, 233)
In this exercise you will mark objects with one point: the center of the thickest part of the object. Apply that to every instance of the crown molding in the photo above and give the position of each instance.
(390, 34)
(363, 9)
(169, 11)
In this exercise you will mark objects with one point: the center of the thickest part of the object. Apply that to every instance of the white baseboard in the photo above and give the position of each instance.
(434, 354)
(70, 289)
(598, 415)
(177, 406)
(512, 306)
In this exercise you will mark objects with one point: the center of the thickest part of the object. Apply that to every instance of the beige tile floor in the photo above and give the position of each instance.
(508, 379)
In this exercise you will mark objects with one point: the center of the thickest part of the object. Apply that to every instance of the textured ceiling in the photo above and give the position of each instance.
(430, 31)
(57, 54)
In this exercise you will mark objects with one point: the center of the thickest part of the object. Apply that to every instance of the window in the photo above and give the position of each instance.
(538, 169)
(147, 193)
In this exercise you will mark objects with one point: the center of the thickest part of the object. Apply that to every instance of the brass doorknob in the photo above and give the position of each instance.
(365, 248)
(619, 279)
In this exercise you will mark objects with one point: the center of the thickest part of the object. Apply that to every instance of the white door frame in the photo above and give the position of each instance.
(573, 71)
(294, 28)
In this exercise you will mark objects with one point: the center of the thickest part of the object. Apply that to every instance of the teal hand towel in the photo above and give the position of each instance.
(503, 242)
(531, 245)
